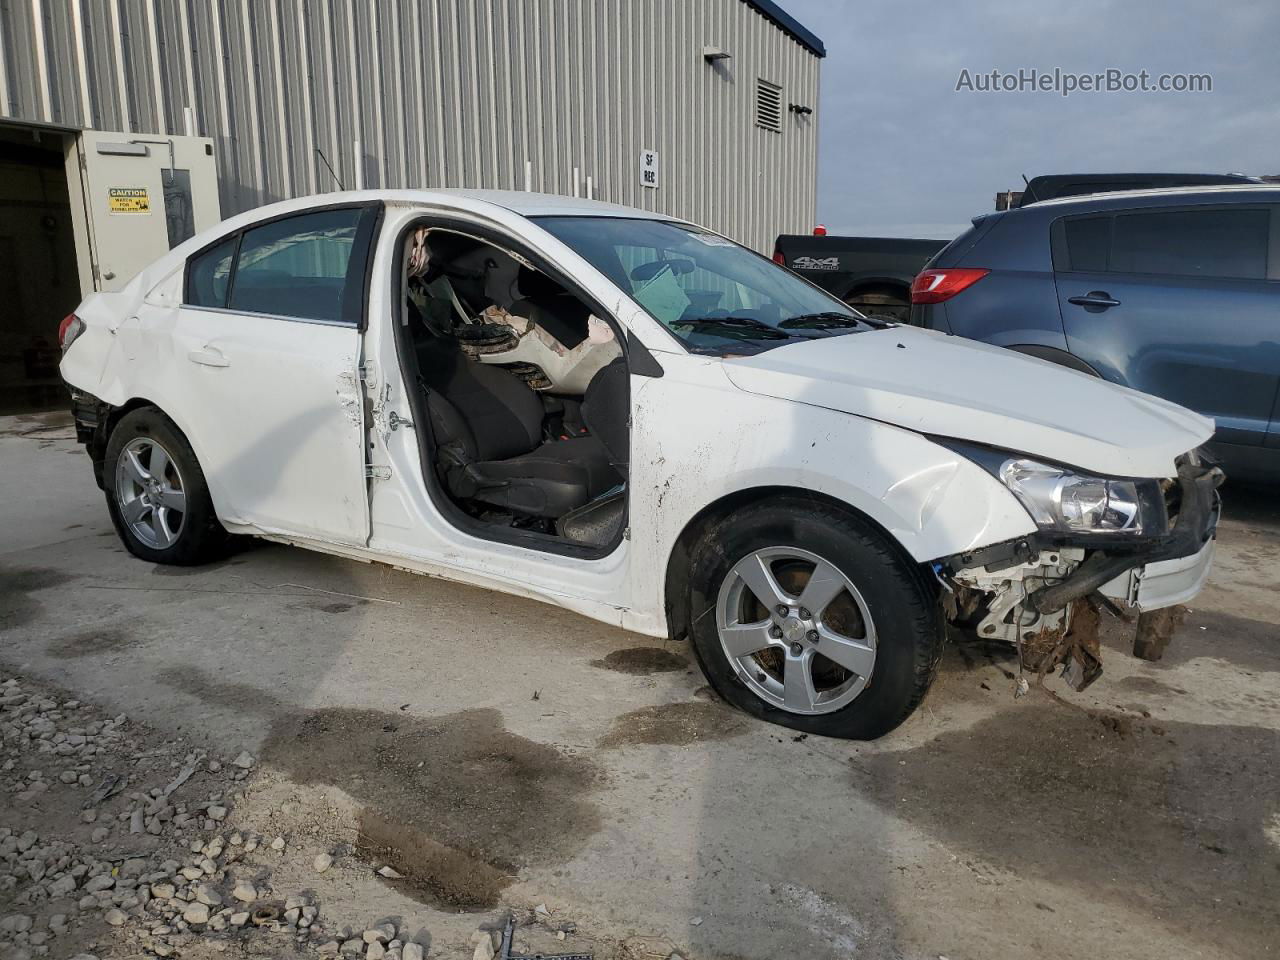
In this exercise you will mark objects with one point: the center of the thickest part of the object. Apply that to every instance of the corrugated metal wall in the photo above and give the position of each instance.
(439, 93)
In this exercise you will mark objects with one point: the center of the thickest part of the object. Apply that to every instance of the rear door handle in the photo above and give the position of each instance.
(209, 357)
(1098, 299)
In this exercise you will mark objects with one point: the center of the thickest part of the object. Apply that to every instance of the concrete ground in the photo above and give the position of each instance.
(514, 754)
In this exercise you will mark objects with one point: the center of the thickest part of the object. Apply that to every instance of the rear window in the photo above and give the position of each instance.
(947, 256)
(1230, 244)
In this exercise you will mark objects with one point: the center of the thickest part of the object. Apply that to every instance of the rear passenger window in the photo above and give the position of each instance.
(1087, 239)
(209, 275)
(1192, 243)
(301, 267)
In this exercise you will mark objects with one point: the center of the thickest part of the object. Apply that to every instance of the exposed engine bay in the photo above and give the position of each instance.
(1045, 593)
(525, 390)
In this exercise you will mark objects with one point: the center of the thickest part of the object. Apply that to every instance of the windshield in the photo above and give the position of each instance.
(717, 297)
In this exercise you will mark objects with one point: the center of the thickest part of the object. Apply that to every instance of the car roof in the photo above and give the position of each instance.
(521, 202)
(1224, 193)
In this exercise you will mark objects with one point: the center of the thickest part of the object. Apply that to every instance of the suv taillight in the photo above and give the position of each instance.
(934, 286)
(70, 328)
(779, 259)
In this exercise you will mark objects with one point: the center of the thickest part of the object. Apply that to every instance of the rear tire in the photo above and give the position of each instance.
(874, 615)
(157, 495)
(890, 303)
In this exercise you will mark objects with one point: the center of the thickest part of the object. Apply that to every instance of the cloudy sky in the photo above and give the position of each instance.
(903, 154)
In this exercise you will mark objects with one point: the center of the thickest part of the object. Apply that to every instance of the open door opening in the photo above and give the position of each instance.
(522, 393)
(39, 282)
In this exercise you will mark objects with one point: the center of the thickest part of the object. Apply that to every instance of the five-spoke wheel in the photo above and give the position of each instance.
(157, 494)
(150, 493)
(796, 630)
(804, 613)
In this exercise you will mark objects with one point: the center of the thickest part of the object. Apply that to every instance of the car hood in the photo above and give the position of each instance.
(948, 386)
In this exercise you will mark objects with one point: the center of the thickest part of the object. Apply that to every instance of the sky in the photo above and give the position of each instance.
(902, 153)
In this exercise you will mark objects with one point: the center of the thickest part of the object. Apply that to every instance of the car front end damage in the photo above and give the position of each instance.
(1143, 544)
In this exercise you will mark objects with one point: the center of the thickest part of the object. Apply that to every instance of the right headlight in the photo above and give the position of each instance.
(1061, 500)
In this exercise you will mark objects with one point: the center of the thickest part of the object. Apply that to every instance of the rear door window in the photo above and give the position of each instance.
(1192, 243)
(306, 267)
(297, 267)
(209, 275)
(1087, 240)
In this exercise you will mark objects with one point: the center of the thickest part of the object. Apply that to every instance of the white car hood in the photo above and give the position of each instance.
(952, 387)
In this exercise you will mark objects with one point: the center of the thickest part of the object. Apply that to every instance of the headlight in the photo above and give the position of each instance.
(1067, 502)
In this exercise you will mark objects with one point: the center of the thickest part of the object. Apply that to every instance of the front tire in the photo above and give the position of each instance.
(156, 493)
(805, 615)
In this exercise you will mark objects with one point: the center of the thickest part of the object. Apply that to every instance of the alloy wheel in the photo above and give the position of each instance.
(150, 493)
(796, 630)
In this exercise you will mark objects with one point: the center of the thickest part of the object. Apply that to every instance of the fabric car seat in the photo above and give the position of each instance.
(487, 425)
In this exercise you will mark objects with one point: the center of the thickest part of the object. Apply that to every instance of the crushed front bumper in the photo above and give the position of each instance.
(1164, 583)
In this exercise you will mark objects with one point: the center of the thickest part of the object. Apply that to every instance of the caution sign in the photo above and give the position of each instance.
(128, 200)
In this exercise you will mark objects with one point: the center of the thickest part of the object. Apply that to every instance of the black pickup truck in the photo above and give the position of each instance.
(872, 274)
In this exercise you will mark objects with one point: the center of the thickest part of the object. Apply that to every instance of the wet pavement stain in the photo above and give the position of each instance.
(676, 724)
(1169, 819)
(17, 586)
(89, 643)
(456, 803)
(1245, 643)
(642, 661)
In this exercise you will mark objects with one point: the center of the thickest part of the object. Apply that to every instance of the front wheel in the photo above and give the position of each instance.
(156, 492)
(802, 614)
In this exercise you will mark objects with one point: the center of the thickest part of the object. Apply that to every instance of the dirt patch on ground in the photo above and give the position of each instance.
(239, 696)
(53, 424)
(17, 584)
(457, 803)
(1244, 643)
(334, 607)
(1149, 685)
(88, 643)
(642, 661)
(676, 724)
(433, 872)
(1057, 793)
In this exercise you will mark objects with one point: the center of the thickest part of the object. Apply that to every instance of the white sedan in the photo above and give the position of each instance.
(639, 420)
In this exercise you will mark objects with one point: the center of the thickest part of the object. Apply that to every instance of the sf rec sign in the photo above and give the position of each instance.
(649, 168)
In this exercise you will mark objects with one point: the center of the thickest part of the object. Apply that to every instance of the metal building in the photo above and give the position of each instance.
(703, 109)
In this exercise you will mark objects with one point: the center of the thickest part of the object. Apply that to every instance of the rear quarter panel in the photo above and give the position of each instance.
(1017, 303)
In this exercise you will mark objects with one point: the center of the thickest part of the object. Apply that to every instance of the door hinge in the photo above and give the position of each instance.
(379, 472)
(368, 372)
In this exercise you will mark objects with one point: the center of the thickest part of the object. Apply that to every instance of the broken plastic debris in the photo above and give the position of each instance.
(1021, 688)
(390, 873)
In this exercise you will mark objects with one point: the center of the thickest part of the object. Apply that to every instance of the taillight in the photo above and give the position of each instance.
(934, 286)
(779, 259)
(70, 328)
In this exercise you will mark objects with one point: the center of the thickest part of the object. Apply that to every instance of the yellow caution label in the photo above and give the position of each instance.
(128, 200)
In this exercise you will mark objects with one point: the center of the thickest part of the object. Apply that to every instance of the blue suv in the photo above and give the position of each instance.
(1173, 292)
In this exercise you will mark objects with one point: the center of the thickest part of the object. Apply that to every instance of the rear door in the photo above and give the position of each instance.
(270, 332)
(1181, 303)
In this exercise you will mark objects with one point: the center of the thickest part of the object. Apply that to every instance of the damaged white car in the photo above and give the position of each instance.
(637, 419)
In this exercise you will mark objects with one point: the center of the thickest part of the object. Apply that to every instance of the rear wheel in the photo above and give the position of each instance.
(891, 303)
(156, 492)
(804, 615)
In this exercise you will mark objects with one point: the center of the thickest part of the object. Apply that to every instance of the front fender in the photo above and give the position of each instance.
(699, 439)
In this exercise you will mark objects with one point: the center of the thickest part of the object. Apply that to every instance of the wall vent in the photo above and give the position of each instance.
(768, 106)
